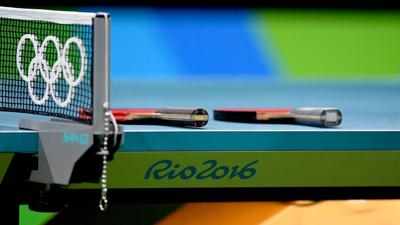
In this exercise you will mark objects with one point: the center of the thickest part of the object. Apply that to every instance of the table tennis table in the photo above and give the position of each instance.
(243, 161)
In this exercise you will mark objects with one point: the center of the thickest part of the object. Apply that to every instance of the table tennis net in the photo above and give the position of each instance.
(46, 64)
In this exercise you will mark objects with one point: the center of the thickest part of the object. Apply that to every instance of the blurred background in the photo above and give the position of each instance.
(259, 43)
(283, 44)
(271, 44)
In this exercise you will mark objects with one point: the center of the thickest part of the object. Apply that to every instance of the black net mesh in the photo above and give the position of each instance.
(46, 68)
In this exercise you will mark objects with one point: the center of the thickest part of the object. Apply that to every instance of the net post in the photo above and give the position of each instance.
(101, 70)
(67, 150)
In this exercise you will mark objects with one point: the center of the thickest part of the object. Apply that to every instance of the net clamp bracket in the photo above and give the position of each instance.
(61, 144)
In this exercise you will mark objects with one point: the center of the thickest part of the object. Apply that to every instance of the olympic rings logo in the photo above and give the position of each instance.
(51, 74)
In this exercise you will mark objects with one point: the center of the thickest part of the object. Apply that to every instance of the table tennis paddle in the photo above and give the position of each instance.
(322, 117)
(195, 117)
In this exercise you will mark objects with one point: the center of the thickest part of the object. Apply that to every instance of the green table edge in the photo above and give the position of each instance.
(264, 169)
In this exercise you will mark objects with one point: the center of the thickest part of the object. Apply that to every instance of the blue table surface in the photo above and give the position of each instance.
(371, 116)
